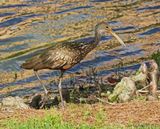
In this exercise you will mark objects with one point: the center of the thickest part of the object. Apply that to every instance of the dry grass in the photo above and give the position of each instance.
(136, 112)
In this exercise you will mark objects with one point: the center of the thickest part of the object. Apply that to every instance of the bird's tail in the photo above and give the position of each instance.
(31, 63)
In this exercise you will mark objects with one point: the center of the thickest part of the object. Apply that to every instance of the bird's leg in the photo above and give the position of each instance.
(45, 89)
(60, 88)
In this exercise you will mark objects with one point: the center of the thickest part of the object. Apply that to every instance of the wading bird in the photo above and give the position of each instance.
(64, 56)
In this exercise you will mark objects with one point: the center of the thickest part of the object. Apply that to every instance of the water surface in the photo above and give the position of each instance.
(29, 26)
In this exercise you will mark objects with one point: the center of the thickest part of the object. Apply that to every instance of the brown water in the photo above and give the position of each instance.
(32, 25)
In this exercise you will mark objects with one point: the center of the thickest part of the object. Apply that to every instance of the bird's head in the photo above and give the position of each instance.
(103, 27)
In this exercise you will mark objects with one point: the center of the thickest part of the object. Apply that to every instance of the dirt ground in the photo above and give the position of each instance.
(136, 112)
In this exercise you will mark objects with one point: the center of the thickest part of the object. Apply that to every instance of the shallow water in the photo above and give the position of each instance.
(28, 26)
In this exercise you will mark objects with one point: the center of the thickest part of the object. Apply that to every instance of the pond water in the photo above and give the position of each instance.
(29, 26)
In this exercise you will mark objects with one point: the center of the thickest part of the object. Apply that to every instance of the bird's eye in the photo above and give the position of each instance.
(107, 27)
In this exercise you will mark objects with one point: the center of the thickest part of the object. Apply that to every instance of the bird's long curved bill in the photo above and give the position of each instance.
(118, 38)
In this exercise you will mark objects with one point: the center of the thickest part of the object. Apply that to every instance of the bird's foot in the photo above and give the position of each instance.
(63, 104)
(46, 92)
(43, 101)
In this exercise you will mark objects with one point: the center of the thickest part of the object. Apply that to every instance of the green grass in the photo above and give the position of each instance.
(56, 122)
(49, 122)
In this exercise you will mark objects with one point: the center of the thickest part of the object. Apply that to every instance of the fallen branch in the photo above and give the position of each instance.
(143, 91)
(144, 88)
(103, 101)
(146, 91)
(153, 78)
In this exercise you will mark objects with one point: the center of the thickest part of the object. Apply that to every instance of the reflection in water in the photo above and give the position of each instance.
(73, 9)
(13, 6)
(14, 39)
(149, 8)
(125, 28)
(151, 31)
(27, 27)
(17, 20)
(6, 14)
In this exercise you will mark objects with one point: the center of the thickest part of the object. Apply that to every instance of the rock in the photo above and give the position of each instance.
(124, 91)
(39, 101)
(151, 98)
(141, 74)
(14, 102)
(36, 101)
(66, 95)
(52, 102)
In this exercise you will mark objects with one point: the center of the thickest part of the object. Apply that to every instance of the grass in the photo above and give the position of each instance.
(56, 122)
(74, 117)
(48, 122)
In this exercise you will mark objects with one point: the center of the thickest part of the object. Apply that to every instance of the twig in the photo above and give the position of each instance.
(144, 88)
(146, 91)
(143, 91)
(154, 78)
(103, 101)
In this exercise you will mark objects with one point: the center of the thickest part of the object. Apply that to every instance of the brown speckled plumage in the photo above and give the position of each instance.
(60, 57)
(63, 56)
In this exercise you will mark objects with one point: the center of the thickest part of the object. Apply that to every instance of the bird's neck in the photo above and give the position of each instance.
(97, 37)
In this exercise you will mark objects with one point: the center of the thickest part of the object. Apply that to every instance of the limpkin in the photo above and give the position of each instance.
(64, 56)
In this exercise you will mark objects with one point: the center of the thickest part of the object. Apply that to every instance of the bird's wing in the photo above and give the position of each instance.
(49, 59)
(60, 56)
(31, 63)
(54, 58)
